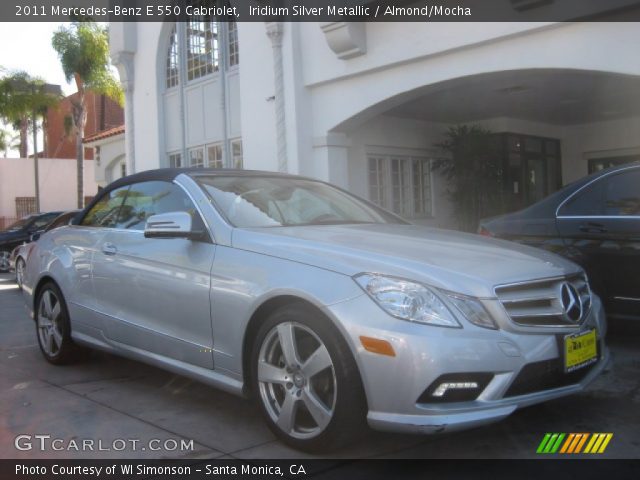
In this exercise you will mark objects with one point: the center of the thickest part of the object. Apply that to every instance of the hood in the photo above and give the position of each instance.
(459, 262)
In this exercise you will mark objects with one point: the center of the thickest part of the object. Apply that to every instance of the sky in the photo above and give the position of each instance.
(27, 46)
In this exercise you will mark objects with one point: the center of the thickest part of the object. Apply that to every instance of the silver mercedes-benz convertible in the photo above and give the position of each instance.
(329, 311)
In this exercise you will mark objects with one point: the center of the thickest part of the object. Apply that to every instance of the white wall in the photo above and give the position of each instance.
(57, 183)
(107, 165)
(584, 46)
(598, 140)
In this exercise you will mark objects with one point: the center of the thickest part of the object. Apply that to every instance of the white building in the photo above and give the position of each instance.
(362, 104)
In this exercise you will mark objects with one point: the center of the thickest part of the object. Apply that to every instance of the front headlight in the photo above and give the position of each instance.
(407, 300)
(473, 310)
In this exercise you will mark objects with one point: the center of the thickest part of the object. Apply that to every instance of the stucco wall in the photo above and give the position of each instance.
(57, 183)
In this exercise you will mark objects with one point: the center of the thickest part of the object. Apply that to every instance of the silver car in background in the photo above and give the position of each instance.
(328, 310)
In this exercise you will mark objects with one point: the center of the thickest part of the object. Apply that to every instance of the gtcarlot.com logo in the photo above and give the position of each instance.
(573, 443)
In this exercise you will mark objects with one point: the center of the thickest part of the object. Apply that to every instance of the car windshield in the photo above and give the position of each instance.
(264, 201)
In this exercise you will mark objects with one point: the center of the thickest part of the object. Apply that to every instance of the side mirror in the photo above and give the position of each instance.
(170, 225)
(35, 236)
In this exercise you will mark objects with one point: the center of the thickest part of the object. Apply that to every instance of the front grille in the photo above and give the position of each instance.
(550, 302)
(545, 375)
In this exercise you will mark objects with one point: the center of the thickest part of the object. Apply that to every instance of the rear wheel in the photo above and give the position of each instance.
(306, 380)
(20, 272)
(52, 326)
(4, 260)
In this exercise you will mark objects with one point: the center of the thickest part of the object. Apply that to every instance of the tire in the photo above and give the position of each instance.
(311, 395)
(20, 265)
(53, 329)
(4, 260)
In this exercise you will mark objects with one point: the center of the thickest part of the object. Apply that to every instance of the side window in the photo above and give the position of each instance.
(587, 202)
(105, 212)
(151, 198)
(622, 194)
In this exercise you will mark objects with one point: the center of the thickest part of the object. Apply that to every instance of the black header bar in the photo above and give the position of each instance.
(322, 10)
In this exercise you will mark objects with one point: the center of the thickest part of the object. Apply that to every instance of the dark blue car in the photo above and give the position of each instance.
(20, 232)
(595, 222)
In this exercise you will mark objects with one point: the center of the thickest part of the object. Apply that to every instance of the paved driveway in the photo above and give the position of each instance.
(122, 403)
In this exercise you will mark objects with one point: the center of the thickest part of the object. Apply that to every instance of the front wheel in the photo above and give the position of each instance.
(306, 380)
(52, 326)
(20, 265)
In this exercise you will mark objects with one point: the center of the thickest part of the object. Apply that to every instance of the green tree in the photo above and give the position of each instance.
(9, 140)
(472, 169)
(83, 49)
(20, 96)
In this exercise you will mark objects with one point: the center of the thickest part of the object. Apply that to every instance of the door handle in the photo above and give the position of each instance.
(109, 249)
(592, 227)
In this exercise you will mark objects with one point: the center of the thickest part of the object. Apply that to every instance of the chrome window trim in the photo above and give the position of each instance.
(198, 209)
(630, 167)
(627, 299)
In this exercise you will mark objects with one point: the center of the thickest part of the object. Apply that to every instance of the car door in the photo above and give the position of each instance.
(83, 241)
(601, 226)
(154, 292)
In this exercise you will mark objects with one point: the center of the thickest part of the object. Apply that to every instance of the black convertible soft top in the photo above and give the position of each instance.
(168, 175)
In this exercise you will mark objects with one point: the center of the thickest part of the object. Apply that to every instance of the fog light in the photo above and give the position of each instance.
(443, 387)
(456, 387)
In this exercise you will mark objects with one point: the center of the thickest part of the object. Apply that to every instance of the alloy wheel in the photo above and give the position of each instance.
(297, 380)
(19, 272)
(50, 323)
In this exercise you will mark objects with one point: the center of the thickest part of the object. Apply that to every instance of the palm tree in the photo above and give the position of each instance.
(83, 48)
(4, 142)
(20, 96)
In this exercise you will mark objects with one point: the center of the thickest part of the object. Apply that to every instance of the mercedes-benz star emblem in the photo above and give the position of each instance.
(571, 303)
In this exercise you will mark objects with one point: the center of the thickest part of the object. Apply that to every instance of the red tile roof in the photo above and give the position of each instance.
(104, 134)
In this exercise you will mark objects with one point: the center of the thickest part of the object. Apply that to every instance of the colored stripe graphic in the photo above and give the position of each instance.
(550, 443)
(543, 443)
(599, 443)
(574, 443)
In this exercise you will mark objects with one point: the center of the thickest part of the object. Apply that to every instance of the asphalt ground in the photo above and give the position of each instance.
(131, 410)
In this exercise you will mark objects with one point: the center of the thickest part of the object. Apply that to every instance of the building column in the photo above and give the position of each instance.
(331, 159)
(124, 61)
(274, 32)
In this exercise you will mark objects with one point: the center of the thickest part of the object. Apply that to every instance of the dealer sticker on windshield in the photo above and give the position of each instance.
(580, 350)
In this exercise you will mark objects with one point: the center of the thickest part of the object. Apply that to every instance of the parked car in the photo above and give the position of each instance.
(20, 254)
(594, 222)
(19, 232)
(326, 309)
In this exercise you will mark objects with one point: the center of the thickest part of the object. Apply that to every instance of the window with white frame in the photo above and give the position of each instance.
(196, 157)
(234, 51)
(236, 154)
(401, 183)
(207, 45)
(202, 47)
(172, 73)
(214, 156)
(175, 160)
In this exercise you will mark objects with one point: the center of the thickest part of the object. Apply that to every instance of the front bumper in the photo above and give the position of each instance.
(395, 385)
